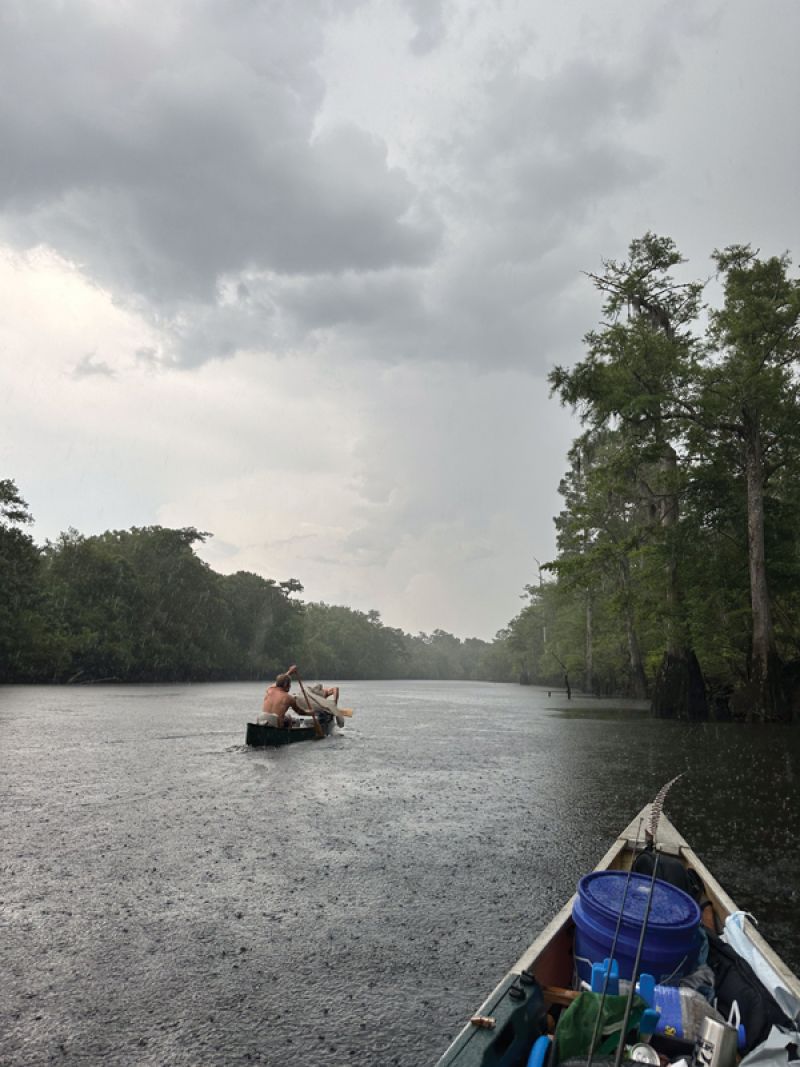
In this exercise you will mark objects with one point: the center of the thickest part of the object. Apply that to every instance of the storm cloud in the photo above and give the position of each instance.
(335, 247)
(174, 153)
(173, 148)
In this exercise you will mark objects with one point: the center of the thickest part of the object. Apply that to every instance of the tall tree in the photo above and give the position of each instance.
(747, 408)
(638, 366)
(574, 540)
(265, 625)
(600, 532)
(19, 566)
(93, 608)
(137, 604)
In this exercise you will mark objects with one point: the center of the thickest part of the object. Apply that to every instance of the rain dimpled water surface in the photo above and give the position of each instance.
(171, 897)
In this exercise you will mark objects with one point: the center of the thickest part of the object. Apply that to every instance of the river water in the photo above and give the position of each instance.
(169, 897)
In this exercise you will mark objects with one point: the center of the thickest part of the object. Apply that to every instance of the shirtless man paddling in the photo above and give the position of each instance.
(277, 699)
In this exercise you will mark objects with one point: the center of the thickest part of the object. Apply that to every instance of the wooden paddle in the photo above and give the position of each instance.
(317, 726)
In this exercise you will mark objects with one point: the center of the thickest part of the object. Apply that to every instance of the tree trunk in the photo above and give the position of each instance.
(588, 672)
(677, 638)
(769, 702)
(679, 691)
(759, 595)
(638, 676)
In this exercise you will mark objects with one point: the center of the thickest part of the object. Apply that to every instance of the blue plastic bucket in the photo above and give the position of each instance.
(671, 941)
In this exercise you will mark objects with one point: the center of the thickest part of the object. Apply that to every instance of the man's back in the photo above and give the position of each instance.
(277, 702)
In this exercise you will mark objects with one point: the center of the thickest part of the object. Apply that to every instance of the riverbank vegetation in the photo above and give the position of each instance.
(678, 568)
(139, 605)
(677, 575)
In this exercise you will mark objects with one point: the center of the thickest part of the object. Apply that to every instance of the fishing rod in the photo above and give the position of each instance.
(597, 1021)
(639, 947)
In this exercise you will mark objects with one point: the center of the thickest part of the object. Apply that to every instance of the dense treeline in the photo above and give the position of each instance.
(139, 605)
(678, 568)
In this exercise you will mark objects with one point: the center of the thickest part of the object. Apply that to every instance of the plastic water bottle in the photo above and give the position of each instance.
(682, 1012)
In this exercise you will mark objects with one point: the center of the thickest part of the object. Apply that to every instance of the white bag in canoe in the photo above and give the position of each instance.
(313, 700)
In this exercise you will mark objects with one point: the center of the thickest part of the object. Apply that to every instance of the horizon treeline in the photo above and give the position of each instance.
(139, 605)
(677, 577)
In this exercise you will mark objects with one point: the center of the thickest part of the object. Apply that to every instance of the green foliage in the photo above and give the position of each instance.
(135, 604)
(682, 510)
(637, 365)
(139, 605)
(264, 625)
(340, 642)
(19, 568)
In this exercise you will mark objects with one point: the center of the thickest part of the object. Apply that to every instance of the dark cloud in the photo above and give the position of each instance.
(165, 154)
(430, 25)
(388, 205)
(507, 289)
(174, 154)
(147, 357)
(90, 366)
(389, 301)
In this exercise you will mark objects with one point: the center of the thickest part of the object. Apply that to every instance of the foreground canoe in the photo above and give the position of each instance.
(260, 735)
(514, 1018)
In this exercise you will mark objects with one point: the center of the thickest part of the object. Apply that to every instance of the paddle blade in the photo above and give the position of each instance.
(347, 712)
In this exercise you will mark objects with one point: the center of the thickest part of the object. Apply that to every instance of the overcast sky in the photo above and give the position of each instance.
(294, 271)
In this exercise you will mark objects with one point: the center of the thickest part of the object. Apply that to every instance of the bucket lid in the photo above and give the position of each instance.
(603, 891)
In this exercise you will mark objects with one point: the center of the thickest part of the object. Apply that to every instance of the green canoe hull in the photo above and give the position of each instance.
(262, 736)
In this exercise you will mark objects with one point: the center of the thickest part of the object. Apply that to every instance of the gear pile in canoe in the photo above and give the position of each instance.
(649, 962)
